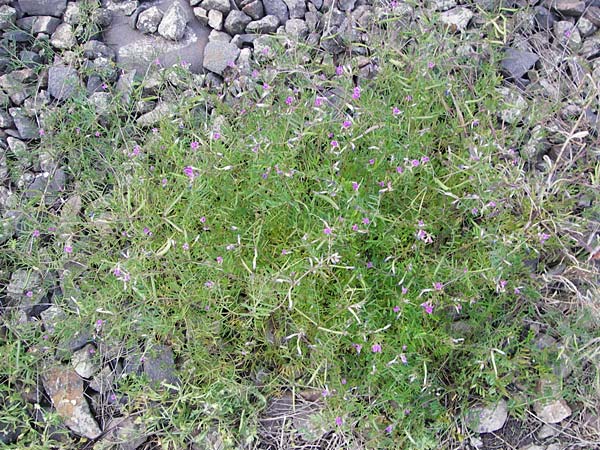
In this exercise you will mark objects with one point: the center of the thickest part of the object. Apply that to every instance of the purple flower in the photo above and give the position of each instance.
(430, 65)
(147, 231)
(68, 249)
(36, 233)
(266, 86)
(355, 227)
(396, 309)
(396, 111)
(399, 169)
(366, 221)
(29, 294)
(136, 150)
(343, 381)
(346, 124)
(41, 132)
(117, 272)
(403, 358)
(335, 144)
(189, 172)
(424, 159)
(369, 265)
(339, 70)
(356, 93)
(357, 347)
(318, 101)
(428, 307)
(415, 162)
(376, 348)
(99, 324)
(371, 162)
(339, 421)
(97, 134)
(355, 186)
(194, 145)
(289, 101)
(404, 290)
(325, 393)
(209, 284)
(185, 246)
(327, 230)
(475, 211)
(202, 219)
(438, 286)
(389, 429)
(219, 259)
(408, 98)
(216, 135)
(544, 237)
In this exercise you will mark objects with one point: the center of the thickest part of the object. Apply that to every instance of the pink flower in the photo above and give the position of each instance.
(202, 219)
(396, 309)
(428, 307)
(29, 294)
(357, 347)
(189, 172)
(318, 101)
(355, 186)
(356, 93)
(355, 227)
(438, 286)
(68, 249)
(216, 135)
(117, 272)
(424, 159)
(366, 221)
(396, 111)
(339, 421)
(163, 182)
(369, 265)
(327, 231)
(389, 429)
(430, 65)
(404, 290)
(147, 231)
(194, 145)
(335, 144)
(403, 358)
(97, 134)
(346, 124)
(219, 260)
(339, 70)
(325, 393)
(544, 237)
(185, 246)
(41, 132)
(289, 101)
(36, 233)
(343, 381)
(376, 348)
(399, 169)
(209, 284)
(415, 162)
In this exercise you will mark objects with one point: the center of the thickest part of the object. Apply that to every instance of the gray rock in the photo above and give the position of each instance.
(172, 25)
(236, 22)
(296, 28)
(63, 82)
(442, 5)
(218, 36)
(593, 15)
(547, 431)
(7, 17)
(5, 120)
(552, 411)
(159, 366)
(22, 282)
(543, 18)
(568, 7)
(43, 7)
(219, 5)
(73, 14)
(148, 20)
(219, 55)
(63, 38)
(127, 7)
(93, 49)
(125, 433)
(65, 389)
(586, 27)
(297, 8)
(267, 24)
(29, 58)
(514, 106)
(215, 19)
(317, 3)
(47, 184)
(516, 63)
(51, 317)
(485, 419)
(567, 35)
(125, 85)
(255, 10)
(590, 47)
(102, 102)
(457, 19)
(44, 24)
(277, 8)
(346, 5)
(84, 361)
(26, 127)
(151, 118)
(103, 380)
(202, 15)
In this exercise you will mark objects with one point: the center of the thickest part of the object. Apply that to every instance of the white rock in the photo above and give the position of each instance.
(84, 361)
(172, 25)
(457, 19)
(485, 419)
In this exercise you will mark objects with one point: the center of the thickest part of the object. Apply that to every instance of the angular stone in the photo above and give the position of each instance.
(7, 16)
(254, 9)
(125, 433)
(219, 5)
(219, 55)
(267, 24)
(63, 38)
(149, 20)
(25, 288)
(297, 8)
(62, 82)
(442, 5)
(43, 7)
(543, 18)
(103, 380)
(40, 24)
(346, 5)
(236, 22)
(172, 25)
(65, 389)
(514, 106)
(483, 419)
(516, 63)
(568, 7)
(553, 411)
(277, 8)
(84, 362)
(215, 19)
(159, 366)
(457, 19)
(593, 15)
(163, 109)
(5, 120)
(73, 14)
(26, 127)
(218, 36)
(586, 27)
(51, 317)
(296, 28)
(567, 35)
(202, 15)
(126, 7)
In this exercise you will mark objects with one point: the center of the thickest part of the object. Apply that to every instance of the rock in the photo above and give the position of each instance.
(65, 389)
(163, 109)
(219, 55)
(593, 15)
(346, 5)
(254, 9)
(172, 25)
(202, 15)
(267, 24)
(591, 47)
(148, 20)
(125, 433)
(317, 3)
(277, 8)
(84, 361)
(26, 127)
(63, 38)
(553, 411)
(219, 5)
(159, 365)
(586, 27)
(52, 317)
(533, 447)
(482, 419)
(236, 22)
(63, 82)
(218, 36)
(25, 288)
(7, 17)
(103, 380)
(567, 34)
(125, 85)
(43, 7)
(516, 63)
(126, 7)
(44, 24)
(568, 7)
(215, 19)
(5, 120)
(296, 28)
(543, 18)
(48, 185)
(297, 8)
(73, 14)
(93, 49)
(457, 19)
(514, 106)
(442, 5)
(547, 431)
